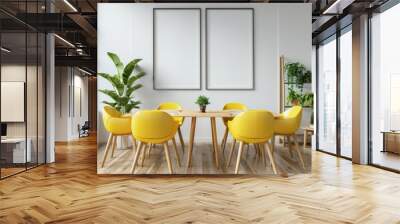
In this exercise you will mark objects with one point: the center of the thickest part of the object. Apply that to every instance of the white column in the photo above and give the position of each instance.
(360, 90)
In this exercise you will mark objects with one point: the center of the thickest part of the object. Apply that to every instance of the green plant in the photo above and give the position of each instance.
(202, 101)
(307, 100)
(297, 72)
(294, 97)
(123, 84)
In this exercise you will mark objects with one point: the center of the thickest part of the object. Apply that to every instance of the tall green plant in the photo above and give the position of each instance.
(297, 72)
(123, 84)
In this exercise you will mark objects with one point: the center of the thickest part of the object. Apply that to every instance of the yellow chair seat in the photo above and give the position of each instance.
(152, 126)
(115, 122)
(288, 122)
(253, 126)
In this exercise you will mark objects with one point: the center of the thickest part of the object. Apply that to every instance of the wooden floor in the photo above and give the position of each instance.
(203, 161)
(70, 191)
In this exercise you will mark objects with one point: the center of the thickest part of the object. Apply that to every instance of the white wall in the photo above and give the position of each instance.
(279, 29)
(66, 121)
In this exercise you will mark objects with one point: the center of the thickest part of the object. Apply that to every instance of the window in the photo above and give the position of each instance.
(385, 89)
(327, 96)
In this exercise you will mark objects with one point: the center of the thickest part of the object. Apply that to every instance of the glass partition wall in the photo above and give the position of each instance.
(334, 86)
(22, 98)
(385, 89)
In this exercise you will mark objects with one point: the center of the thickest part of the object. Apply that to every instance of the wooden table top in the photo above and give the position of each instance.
(191, 113)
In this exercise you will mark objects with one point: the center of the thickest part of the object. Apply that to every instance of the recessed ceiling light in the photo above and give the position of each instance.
(5, 50)
(64, 40)
(84, 71)
(70, 5)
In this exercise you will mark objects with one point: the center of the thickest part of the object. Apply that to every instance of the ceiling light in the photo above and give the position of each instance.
(5, 50)
(64, 40)
(335, 4)
(84, 71)
(70, 5)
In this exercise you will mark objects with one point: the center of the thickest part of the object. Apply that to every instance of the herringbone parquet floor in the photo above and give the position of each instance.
(70, 191)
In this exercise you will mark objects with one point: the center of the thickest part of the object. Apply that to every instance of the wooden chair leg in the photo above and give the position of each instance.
(107, 149)
(133, 142)
(239, 155)
(289, 146)
(144, 153)
(271, 158)
(114, 145)
(178, 159)
(224, 139)
(181, 139)
(136, 156)
(298, 151)
(273, 143)
(305, 139)
(167, 158)
(262, 153)
(231, 153)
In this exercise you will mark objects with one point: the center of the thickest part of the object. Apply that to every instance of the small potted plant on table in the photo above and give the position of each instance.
(203, 101)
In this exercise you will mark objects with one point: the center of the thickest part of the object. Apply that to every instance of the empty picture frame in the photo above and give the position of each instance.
(177, 48)
(229, 48)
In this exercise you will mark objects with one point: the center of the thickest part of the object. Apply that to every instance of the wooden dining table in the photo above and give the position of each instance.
(212, 115)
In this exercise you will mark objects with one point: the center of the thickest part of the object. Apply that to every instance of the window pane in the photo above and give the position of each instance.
(327, 97)
(385, 92)
(346, 94)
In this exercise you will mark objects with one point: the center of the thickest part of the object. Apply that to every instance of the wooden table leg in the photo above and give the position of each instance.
(191, 140)
(215, 141)
(305, 139)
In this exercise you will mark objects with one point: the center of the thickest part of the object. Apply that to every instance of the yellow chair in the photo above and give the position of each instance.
(117, 125)
(179, 120)
(286, 124)
(154, 127)
(230, 106)
(252, 127)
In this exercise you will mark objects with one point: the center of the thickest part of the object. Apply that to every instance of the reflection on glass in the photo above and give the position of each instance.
(327, 96)
(385, 89)
(346, 94)
(13, 83)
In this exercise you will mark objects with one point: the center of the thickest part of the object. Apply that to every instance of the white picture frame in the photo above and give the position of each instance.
(230, 30)
(177, 49)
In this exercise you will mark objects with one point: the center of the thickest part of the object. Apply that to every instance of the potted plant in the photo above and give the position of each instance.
(203, 101)
(307, 99)
(297, 73)
(123, 84)
(294, 97)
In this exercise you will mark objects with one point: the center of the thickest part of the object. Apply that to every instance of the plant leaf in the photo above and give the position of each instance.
(112, 94)
(129, 69)
(133, 79)
(117, 62)
(130, 90)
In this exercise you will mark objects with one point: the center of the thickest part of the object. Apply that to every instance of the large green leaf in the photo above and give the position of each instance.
(130, 90)
(133, 79)
(112, 94)
(115, 82)
(129, 69)
(117, 62)
(131, 105)
(110, 103)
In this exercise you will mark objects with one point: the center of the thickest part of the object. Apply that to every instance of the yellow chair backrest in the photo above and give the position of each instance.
(153, 126)
(115, 122)
(169, 106)
(289, 121)
(233, 106)
(172, 106)
(257, 125)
